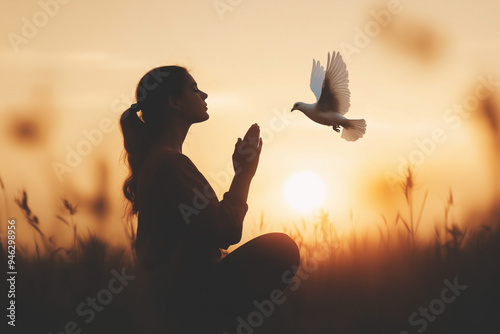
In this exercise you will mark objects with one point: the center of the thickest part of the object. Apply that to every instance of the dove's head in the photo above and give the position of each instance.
(298, 106)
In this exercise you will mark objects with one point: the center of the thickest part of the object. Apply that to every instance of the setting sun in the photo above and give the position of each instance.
(304, 191)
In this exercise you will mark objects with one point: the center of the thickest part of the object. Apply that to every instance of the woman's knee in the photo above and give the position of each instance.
(272, 252)
(280, 247)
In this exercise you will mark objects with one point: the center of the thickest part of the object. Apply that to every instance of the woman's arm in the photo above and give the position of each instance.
(245, 160)
(189, 195)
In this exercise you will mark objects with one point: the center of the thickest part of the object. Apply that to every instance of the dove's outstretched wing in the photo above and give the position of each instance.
(317, 78)
(335, 94)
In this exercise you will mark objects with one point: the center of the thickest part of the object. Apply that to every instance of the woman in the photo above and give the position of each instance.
(182, 226)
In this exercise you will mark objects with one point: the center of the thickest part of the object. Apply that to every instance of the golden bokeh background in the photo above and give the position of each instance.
(424, 74)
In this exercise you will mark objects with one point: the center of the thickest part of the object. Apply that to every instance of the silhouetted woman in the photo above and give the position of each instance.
(181, 223)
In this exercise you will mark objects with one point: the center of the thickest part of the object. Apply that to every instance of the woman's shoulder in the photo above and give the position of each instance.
(164, 166)
(167, 154)
(165, 158)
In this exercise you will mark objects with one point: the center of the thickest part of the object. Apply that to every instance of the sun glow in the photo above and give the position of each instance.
(304, 191)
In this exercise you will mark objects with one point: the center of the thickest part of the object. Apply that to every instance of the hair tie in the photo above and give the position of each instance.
(135, 107)
(131, 111)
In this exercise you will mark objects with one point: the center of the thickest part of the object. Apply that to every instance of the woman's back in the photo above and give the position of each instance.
(167, 185)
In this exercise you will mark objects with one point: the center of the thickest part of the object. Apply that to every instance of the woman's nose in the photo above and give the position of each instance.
(205, 95)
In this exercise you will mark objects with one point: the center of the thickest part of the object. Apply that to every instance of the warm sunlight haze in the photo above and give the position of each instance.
(69, 81)
(304, 191)
(390, 215)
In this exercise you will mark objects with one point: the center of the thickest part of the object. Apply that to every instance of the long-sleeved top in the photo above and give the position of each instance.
(182, 225)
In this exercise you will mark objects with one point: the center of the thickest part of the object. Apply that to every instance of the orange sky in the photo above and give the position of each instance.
(79, 68)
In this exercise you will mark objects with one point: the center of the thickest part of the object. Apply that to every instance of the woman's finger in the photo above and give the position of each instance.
(250, 129)
(237, 142)
(254, 128)
(254, 138)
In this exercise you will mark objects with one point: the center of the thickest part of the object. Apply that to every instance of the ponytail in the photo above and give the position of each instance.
(152, 92)
(137, 141)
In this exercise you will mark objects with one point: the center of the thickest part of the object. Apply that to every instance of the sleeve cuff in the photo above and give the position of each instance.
(229, 198)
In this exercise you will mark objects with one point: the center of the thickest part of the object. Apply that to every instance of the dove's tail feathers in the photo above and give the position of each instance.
(354, 129)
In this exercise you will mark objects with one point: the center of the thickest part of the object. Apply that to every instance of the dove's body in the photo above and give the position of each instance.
(327, 118)
(333, 98)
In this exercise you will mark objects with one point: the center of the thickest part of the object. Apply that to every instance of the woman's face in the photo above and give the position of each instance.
(192, 102)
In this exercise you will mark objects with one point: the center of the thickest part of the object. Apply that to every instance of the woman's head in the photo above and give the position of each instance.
(167, 96)
(170, 92)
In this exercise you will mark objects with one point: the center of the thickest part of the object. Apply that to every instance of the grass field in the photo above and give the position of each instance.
(348, 282)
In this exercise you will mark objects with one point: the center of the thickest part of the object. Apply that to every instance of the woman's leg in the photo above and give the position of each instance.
(252, 271)
(229, 289)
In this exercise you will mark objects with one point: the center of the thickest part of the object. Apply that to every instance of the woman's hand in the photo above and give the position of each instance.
(247, 152)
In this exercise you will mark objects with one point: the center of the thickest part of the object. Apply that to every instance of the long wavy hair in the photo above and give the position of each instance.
(139, 133)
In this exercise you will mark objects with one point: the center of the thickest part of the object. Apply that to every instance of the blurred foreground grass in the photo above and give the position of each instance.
(348, 282)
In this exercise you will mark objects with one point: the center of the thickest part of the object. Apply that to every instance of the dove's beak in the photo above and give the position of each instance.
(292, 109)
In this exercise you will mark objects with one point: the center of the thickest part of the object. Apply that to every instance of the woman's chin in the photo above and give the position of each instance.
(202, 118)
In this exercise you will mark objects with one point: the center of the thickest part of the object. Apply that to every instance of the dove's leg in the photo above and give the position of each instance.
(336, 127)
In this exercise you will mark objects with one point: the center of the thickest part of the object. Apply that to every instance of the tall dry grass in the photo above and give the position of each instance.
(357, 284)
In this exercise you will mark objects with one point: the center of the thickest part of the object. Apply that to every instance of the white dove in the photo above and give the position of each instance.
(333, 98)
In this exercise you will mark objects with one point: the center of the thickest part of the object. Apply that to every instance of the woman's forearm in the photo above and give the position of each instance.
(240, 186)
